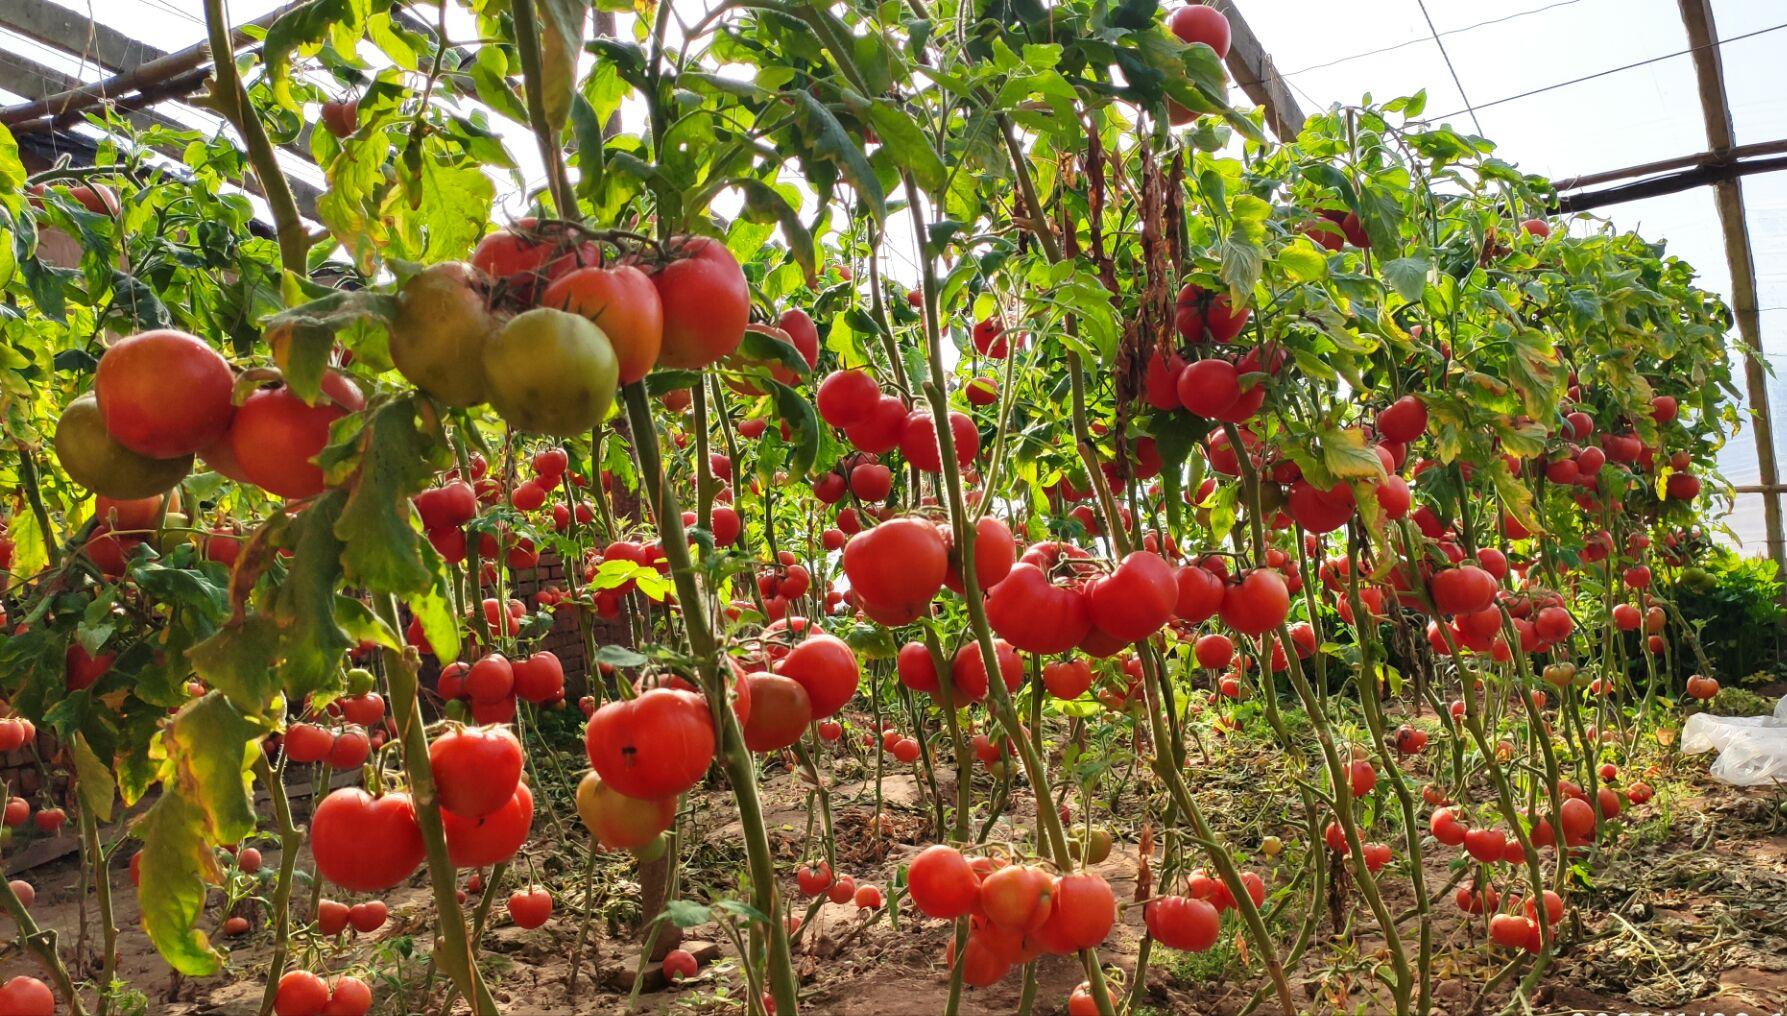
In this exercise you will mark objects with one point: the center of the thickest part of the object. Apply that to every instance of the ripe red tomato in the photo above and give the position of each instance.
(995, 550)
(492, 839)
(366, 844)
(678, 964)
(331, 917)
(1209, 388)
(871, 481)
(918, 440)
(1465, 589)
(1067, 679)
(1510, 931)
(301, 993)
(1136, 599)
(898, 566)
(1035, 615)
(348, 996)
(539, 678)
(1199, 23)
(624, 303)
(368, 917)
(826, 667)
(881, 428)
(780, 712)
(1257, 604)
(492, 678)
(307, 742)
(164, 394)
(968, 671)
(655, 746)
(1018, 897)
(706, 303)
(476, 769)
(529, 908)
(1084, 911)
(847, 397)
(1179, 922)
(528, 258)
(942, 883)
(274, 436)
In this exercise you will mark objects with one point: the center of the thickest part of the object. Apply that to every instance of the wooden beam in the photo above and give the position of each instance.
(61, 28)
(1253, 69)
(1715, 107)
(27, 78)
(1714, 171)
(1698, 159)
(24, 77)
(141, 77)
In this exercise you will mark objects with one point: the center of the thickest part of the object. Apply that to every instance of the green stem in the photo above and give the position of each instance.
(290, 838)
(233, 102)
(735, 758)
(452, 950)
(40, 942)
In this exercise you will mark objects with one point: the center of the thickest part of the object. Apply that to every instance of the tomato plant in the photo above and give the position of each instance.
(1342, 442)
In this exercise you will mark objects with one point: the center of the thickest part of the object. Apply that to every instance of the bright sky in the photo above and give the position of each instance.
(1500, 51)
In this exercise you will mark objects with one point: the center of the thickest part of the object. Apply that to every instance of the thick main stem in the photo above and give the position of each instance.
(289, 840)
(232, 101)
(452, 950)
(734, 757)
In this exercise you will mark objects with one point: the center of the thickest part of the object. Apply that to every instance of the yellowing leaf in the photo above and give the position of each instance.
(1347, 457)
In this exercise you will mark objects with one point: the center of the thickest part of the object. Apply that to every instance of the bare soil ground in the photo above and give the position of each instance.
(1687, 912)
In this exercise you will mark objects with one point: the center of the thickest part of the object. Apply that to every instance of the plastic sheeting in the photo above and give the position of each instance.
(1752, 749)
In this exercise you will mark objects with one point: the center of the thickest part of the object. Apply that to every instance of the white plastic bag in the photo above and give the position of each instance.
(1752, 749)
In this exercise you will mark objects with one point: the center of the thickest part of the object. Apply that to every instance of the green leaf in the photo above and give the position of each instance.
(210, 748)
(619, 656)
(1302, 262)
(238, 661)
(830, 141)
(1516, 497)
(30, 550)
(177, 863)
(739, 908)
(1408, 276)
(591, 158)
(93, 780)
(362, 625)
(311, 641)
(871, 642)
(802, 421)
(905, 142)
(687, 913)
(12, 171)
(381, 539)
(305, 25)
(764, 203)
(312, 328)
(435, 609)
(761, 345)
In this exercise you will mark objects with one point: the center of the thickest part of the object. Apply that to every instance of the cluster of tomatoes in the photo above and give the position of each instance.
(1016, 911)
(127, 440)
(302, 993)
(493, 684)
(369, 844)
(345, 748)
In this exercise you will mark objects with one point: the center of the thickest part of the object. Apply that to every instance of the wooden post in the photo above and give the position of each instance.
(1254, 71)
(1703, 36)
